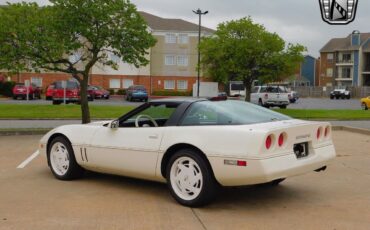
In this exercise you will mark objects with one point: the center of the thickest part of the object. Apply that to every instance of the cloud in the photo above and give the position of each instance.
(296, 21)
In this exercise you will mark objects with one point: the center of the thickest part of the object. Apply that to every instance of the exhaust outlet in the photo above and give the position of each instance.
(321, 169)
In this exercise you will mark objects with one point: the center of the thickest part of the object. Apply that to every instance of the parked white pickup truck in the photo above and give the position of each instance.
(270, 96)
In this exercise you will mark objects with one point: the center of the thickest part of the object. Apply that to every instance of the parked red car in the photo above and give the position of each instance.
(20, 91)
(72, 93)
(49, 92)
(99, 92)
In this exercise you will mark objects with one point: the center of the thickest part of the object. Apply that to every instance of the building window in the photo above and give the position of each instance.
(183, 39)
(329, 72)
(170, 60)
(182, 60)
(114, 83)
(346, 73)
(171, 38)
(127, 83)
(330, 56)
(347, 58)
(182, 85)
(37, 81)
(169, 84)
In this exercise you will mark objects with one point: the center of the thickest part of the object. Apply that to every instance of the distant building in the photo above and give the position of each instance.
(172, 66)
(346, 61)
(306, 74)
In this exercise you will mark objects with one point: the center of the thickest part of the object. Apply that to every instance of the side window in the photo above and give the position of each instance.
(206, 114)
(255, 90)
(159, 113)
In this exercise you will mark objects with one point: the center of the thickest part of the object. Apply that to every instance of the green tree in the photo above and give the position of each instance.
(71, 36)
(242, 50)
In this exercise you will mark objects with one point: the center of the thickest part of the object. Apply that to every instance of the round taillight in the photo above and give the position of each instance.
(281, 140)
(268, 142)
(318, 133)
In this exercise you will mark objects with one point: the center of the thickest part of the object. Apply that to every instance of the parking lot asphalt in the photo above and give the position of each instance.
(31, 198)
(302, 103)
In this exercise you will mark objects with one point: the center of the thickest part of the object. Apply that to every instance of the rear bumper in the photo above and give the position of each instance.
(265, 170)
(139, 96)
(277, 103)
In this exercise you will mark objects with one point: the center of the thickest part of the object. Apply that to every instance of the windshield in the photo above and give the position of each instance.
(229, 113)
(70, 85)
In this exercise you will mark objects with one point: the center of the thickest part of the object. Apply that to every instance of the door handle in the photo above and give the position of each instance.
(154, 136)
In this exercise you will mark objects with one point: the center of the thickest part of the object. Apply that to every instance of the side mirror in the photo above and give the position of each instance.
(114, 124)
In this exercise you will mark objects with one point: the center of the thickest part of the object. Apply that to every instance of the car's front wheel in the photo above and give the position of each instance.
(190, 179)
(62, 161)
(364, 106)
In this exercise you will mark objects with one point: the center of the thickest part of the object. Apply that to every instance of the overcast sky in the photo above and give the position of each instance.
(297, 21)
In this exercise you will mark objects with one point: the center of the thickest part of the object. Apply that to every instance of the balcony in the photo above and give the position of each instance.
(344, 62)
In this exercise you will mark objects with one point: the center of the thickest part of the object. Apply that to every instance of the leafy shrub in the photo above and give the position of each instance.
(6, 88)
(121, 92)
(111, 91)
(172, 93)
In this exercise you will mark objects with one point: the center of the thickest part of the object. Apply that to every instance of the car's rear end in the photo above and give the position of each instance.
(19, 91)
(138, 92)
(71, 95)
(276, 151)
(276, 96)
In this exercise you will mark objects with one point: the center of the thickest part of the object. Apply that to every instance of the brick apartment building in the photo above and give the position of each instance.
(346, 61)
(173, 61)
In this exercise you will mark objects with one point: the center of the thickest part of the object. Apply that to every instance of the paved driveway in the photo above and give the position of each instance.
(325, 103)
(303, 103)
(31, 198)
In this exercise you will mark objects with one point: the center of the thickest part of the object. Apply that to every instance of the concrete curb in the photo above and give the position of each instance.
(352, 129)
(23, 132)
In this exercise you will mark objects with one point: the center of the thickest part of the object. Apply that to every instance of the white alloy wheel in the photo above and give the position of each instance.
(59, 158)
(186, 178)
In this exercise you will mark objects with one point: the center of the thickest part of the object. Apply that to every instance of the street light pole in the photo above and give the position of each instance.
(200, 13)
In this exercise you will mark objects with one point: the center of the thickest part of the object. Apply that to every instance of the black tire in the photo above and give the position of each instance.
(260, 102)
(15, 97)
(283, 106)
(74, 171)
(209, 185)
(364, 106)
(56, 102)
(348, 97)
(146, 99)
(331, 97)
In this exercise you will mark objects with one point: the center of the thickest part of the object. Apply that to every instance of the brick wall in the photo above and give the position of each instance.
(325, 64)
(104, 80)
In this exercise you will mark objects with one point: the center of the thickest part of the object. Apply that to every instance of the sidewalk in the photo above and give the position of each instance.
(27, 124)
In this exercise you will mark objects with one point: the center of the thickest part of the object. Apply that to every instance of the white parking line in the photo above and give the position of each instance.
(28, 160)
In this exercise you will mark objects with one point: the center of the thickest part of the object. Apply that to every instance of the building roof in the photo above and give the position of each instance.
(343, 44)
(169, 24)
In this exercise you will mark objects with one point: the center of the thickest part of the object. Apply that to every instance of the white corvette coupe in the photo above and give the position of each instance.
(194, 145)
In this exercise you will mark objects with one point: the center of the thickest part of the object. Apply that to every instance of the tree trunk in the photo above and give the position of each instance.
(84, 102)
(248, 89)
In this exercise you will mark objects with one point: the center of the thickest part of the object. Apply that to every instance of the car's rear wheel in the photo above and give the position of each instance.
(364, 106)
(283, 106)
(190, 179)
(62, 161)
